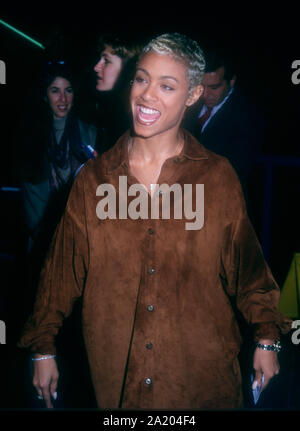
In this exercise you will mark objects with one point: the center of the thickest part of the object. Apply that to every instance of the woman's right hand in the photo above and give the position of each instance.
(45, 378)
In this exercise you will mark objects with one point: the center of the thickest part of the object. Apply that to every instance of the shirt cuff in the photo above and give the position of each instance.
(42, 348)
(268, 330)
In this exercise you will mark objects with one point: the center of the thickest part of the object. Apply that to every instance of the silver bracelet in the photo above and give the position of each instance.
(44, 357)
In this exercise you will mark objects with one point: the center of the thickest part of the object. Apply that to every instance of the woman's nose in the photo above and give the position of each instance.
(149, 93)
(63, 96)
(98, 66)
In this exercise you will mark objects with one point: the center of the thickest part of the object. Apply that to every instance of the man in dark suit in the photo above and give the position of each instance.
(225, 121)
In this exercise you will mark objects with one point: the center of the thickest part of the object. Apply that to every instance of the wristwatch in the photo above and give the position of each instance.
(275, 347)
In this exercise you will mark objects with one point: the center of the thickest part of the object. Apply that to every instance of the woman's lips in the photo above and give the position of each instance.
(62, 108)
(147, 116)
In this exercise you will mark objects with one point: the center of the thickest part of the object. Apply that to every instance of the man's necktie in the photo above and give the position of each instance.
(202, 120)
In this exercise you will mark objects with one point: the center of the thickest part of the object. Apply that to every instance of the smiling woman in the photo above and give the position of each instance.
(52, 144)
(158, 322)
(166, 83)
(160, 94)
(60, 97)
(54, 149)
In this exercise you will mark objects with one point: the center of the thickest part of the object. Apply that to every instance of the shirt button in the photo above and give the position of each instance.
(148, 381)
(149, 346)
(177, 160)
(151, 271)
(150, 307)
(160, 193)
(150, 231)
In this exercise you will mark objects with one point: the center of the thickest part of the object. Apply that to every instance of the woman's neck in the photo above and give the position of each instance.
(156, 148)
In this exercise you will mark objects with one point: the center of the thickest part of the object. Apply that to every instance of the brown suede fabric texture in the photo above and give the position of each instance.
(195, 338)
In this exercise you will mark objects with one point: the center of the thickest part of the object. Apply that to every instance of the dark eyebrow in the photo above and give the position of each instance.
(161, 77)
(142, 70)
(106, 55)
(58, 88)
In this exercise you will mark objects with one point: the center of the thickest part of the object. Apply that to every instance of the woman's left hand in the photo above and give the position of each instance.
(265, 362)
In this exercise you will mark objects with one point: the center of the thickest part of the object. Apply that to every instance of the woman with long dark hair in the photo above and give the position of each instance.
(52, 144)
(114, 70)
(55, 144)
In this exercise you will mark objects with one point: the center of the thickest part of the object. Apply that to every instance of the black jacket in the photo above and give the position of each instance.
(236, 131)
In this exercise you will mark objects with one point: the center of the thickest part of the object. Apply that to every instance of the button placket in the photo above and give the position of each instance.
(151, 270)
(150, 295)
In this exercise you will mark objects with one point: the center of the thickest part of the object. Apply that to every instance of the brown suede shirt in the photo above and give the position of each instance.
(156, 295)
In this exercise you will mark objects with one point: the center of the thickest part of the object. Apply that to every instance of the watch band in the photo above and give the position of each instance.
(275, 347)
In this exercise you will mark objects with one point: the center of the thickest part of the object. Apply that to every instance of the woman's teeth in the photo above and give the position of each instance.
(147, 115)
(149, 110)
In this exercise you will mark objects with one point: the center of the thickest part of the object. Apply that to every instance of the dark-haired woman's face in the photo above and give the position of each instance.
(60, 97)
(108, 70)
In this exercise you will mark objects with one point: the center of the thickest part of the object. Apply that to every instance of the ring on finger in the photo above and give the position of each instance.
(39, 397)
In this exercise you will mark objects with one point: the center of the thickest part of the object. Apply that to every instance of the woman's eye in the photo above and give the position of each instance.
(69, 90)
(139, 79)
(167, 87)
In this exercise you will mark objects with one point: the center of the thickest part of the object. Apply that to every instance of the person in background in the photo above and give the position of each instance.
(159, 326)
(114, 70)
(52, 148)
(225, 121)
(55, 144)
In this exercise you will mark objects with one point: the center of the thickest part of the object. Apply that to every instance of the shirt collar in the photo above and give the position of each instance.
(118, 155)
(217, 107)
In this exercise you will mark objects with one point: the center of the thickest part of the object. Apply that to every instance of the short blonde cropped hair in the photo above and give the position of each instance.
(181, 48)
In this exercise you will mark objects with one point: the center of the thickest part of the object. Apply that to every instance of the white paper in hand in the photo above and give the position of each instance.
(256, 388)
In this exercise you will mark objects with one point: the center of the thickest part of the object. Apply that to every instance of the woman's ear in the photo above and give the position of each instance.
(195, 94)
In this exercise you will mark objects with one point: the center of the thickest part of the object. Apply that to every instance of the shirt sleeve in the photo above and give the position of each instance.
(62, 278)
(246, 275)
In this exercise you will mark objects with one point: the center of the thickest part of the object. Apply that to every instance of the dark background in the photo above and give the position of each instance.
(263, 45)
